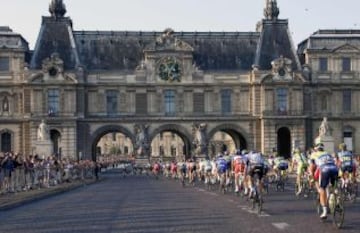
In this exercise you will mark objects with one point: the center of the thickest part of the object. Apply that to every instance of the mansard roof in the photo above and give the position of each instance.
(12, 40)
(275, 41)
(124, 49)
(330, 40)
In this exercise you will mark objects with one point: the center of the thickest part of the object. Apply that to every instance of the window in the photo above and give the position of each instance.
(346, 64)
(169, 102)
(4, 64)
(53, 101)
(141, 103)
(323, 66)
(5, 142)
(323, 103)
(348, 139)
(226, 101)
(346, 101)
(111, 102)
(282, 94)
(198, 104)
(161, 149)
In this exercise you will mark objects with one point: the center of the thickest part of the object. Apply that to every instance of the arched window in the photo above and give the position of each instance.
(5, 142)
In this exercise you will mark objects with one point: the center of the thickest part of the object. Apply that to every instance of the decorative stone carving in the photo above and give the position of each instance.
(271, 11)
(5, 104)
(200, 142)
(43, 132)
(168, 41)
(53, 66)
(57, 8)
(324, 129)
(142, 143)
(281, 68)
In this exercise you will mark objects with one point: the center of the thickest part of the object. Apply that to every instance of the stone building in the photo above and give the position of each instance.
(253, 86)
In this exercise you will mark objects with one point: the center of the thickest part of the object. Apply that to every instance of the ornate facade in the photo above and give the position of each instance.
(253, 86)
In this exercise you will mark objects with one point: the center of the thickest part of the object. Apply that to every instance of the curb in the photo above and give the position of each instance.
(14, 203)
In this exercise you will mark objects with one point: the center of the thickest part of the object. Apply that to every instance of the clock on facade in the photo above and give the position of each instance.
(169, 70)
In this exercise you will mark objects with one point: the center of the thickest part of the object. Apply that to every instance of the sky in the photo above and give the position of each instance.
(305, 16)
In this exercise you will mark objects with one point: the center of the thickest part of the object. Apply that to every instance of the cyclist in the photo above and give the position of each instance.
(183, 171)
(191, 168)
(238, 167)
(280, 167)
(255, 165)
(346, 164)
(221, 165)
(324, 171)
(300, 160)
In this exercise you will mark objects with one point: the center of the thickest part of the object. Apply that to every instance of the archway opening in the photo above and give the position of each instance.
(284, 142)
(114, 146)
(5, 142)
(55, 137)
(226, 140)
(170, 145)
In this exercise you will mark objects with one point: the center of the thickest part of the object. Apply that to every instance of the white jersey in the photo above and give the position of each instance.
(255, 158)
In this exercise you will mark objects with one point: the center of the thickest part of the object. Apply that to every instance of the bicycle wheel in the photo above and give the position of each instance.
(338, 212)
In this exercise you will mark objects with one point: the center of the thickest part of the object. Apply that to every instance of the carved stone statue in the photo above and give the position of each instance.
(43, 133)
(200, 138)
(324, 129)
(142, 144)
(57, 8)
(5, 105)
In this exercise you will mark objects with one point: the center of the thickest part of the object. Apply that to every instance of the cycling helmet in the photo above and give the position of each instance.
(319, 146)
(342, 146)
(297, 150)
(244, 152)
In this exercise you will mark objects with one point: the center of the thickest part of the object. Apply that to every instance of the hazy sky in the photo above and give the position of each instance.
(305, 16)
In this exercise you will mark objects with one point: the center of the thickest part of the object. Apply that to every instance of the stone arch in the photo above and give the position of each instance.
(284, 141)
(100, 132)
(178, 129)
(239, 135)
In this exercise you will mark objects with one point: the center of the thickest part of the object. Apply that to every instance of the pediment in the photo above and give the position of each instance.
(346, 48)
(168, 42)
(62, 78)
(272, 78)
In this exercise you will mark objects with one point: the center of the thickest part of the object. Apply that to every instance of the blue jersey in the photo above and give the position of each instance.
(222, 165)
(346, 158)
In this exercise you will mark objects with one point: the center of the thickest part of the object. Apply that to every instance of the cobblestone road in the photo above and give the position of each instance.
(143, 204)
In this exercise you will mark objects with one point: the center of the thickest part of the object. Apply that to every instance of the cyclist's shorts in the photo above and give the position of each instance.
(347, 168)
(326, 174)
(283, 166)
(301, 168)
(257, 169)
(221, 169)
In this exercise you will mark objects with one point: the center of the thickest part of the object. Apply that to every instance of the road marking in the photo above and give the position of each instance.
(281, 225)
(263, 214)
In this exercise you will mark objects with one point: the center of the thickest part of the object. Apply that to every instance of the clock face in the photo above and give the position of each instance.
(169, 70)
(52, 71)
(282, 72)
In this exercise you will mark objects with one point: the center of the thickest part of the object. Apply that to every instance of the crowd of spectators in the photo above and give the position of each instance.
(21, 173)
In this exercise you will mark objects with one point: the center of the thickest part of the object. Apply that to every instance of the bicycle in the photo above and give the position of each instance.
(335, 204)
(280, 184)
(304, 186)
(257, 199)
(222, 184)
(350, 189)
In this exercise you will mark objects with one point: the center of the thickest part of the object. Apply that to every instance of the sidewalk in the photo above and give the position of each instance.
(13, 200)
